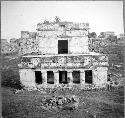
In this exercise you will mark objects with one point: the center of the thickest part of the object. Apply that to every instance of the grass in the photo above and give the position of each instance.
(98, 104)
(102, 104)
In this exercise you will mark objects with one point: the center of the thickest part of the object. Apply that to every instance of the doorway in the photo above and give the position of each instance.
(50, 77)
(62, 46)
(76, 77)
(88, 76)
(38, 77)
(63, 77)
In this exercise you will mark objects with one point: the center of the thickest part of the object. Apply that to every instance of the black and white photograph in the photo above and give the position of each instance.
(62, 59)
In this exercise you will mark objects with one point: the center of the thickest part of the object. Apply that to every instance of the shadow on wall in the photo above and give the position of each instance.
(9, 78)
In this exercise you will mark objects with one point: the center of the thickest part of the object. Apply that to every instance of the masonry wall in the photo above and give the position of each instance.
(78, 45)
(28, 43)
(48, 39)
(96, 63)
(27, 78)
(45, 40)
(100, 75)
(45, 43)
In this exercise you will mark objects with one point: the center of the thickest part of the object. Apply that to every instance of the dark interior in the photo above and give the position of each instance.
(88, 76)
(50, 77)
(63, 77)
(38, 76)
(76, 77)
(62, 46)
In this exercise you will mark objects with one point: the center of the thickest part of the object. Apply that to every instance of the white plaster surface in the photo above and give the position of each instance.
(100, 76)
(27, 77)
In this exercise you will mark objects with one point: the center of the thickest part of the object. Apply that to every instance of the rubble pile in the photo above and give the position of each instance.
(60, 102)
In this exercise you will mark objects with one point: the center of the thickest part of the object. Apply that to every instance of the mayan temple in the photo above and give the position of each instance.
(57, 54)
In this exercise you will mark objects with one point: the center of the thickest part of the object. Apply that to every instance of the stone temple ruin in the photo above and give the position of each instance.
(57, 54)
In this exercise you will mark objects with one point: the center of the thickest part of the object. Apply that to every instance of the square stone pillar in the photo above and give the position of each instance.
(82, 77)
(70, 77)
(100, 76)
(56, 77)
(44, 77)
(27, 78)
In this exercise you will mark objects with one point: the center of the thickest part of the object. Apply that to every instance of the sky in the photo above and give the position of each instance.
(17, 16)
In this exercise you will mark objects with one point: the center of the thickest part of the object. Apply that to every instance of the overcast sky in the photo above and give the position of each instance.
(17, 16)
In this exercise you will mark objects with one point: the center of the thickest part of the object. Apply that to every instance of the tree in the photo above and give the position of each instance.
(46, 21)
(57, 19)
(102, 35)
(92, 35)
(112, 39)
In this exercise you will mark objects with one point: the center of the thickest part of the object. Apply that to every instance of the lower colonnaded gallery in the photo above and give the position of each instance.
(57, 54)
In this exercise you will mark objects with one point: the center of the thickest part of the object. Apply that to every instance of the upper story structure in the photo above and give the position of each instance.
(56, 38)
(58, 54)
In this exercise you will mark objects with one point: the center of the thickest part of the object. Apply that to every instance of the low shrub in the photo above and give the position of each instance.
(9, 78)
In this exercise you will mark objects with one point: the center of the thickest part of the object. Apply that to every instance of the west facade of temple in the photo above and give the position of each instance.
(57, 54)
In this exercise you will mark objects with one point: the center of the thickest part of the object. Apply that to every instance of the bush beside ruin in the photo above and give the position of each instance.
(9, 78)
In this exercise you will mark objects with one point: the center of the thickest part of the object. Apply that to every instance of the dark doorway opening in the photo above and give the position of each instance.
(38, 77)
(88, 76)
(50, 77)
(76, 77)
(63, 77)
(62, 46)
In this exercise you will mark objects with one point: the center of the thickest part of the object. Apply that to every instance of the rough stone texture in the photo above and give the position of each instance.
(98, 64)
(48, 36)
(43, 49)
(81, 61)
(45, 41)
(28, 43)
(60, 102)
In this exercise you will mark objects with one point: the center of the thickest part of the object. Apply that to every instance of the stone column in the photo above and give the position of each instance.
(27, 78)
(56, 77)
(82, 77)
(44, 77)
(101, 76)
(70, 77)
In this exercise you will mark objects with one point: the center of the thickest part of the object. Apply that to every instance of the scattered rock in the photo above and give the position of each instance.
(60, 102)
(18, 91)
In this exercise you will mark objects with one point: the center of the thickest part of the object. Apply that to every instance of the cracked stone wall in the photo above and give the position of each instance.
(76, 34)
(42, 47)
(45, 40)
(98, 64)
(28, 43)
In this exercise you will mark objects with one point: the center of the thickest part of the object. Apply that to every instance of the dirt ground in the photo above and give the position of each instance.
(93, 104)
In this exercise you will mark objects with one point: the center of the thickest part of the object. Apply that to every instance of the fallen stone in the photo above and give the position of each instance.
(60, 102)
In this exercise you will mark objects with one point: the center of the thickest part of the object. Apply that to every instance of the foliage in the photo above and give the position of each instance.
(92, 35)
(46, 21)
(112, 38)
(109, 46)
(57, 19)
(10, 79)
(102, 35)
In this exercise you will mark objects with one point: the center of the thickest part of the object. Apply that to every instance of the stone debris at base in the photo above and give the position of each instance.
(60, 102)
